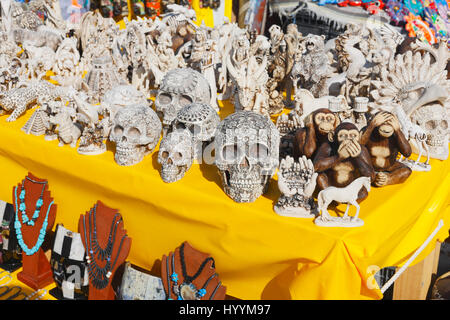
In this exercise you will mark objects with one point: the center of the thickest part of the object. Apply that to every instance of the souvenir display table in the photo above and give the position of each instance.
(258, 254)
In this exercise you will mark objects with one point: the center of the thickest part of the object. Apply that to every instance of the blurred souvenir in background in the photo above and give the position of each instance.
(72, 10)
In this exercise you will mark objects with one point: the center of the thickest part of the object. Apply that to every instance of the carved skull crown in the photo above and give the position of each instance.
(179, 88)
(135, 131)
(246, 154)
(175, 155)
(199, 118)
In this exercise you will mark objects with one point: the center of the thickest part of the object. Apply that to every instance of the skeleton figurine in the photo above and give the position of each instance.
(201, 120)
(296, 181)
(313, 69)
(162, 58)
(179, 88)
(136, 131)
(246, 151)
(203, 58)
(417, 138)
(176, 155)
(249, 78)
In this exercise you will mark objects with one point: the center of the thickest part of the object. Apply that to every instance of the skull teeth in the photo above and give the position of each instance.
(435, 142)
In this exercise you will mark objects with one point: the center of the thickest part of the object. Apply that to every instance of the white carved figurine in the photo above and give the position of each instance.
(347, 195)
(296, 181)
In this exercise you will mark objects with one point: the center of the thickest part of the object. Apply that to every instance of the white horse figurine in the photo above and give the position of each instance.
(349, 195)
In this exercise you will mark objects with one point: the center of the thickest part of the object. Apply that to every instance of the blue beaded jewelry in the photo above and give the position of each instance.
(39, 203)
(42, 232)
(187, 284)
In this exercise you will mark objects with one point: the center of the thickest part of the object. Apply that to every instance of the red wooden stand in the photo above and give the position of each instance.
(104, 219)
(37, 272)
(193, 260)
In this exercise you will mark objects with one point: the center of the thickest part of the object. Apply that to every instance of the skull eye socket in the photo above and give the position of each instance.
(230, 152)
(430, 125)
(164, 98)
(444, 124)
(165, 154)
(118, 130)
(177, 156)
(134, 132)
(185, 100)
(258, 151)
(180, 126)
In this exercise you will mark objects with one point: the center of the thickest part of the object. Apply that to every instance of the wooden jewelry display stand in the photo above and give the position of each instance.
(98, 227)
(37, 272)
(193, 261)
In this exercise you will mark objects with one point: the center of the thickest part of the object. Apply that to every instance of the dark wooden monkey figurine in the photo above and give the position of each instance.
(342, 159)
(309, 138)
(384, 140)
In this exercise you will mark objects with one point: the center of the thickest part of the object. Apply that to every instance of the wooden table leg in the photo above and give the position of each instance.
(414, 282)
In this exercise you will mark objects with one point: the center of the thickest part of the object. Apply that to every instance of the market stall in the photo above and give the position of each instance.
(217, 161)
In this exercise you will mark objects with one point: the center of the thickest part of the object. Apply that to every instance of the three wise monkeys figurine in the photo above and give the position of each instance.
(348, 160)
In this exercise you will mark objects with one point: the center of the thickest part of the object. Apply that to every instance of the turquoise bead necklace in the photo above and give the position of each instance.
(39, 203)
(18, 227)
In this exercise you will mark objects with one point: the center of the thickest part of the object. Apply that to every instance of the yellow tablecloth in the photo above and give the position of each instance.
(258, 254)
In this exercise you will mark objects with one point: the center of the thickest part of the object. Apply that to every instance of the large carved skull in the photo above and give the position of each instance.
(433, 119)
(175, 155)
(246, 154)
(179, 88)
(201, 120)
(135, 131)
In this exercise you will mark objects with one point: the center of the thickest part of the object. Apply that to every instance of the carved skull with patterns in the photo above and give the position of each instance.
(433, 119)
(201, 120)
(246, 154)
(136, 130)
(179, 88)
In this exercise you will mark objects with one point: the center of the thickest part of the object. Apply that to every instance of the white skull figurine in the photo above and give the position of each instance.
(175, 155)
(121, 96)
(246, 154)
(433, 119)
(179, 88)
(136, 131)
(201, 120)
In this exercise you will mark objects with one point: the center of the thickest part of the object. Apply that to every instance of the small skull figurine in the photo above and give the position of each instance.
(135, 131)
(179, 88)
(433, 119)
(201, 120)
(246, 154)
(175, 155)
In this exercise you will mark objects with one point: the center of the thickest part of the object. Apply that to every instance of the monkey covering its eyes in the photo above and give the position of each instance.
(308, 139)
(384, 140)
(343, 159)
